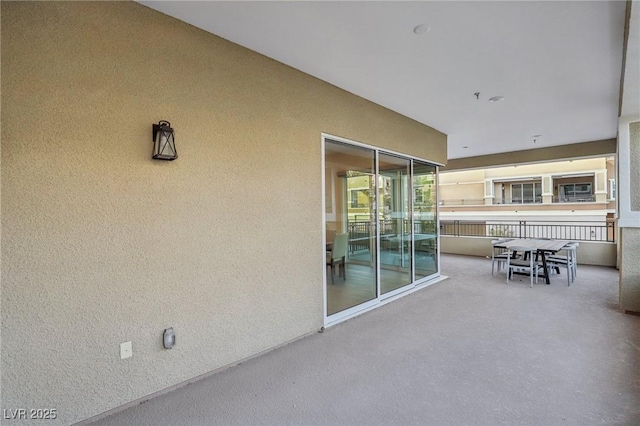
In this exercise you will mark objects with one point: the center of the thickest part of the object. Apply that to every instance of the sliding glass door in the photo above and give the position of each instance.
(425, 220)
(381, 225)
(351, 269)
(395, 222)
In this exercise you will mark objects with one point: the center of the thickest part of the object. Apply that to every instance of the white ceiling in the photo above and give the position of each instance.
(557, 63)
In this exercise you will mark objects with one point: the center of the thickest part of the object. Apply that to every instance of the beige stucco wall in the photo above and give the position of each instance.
(630, 236)
(102, 245)
(470, 192)
(462, 176)
(557, 167)
(526, 170)
(589, 253)
(586, 149)
(599, 207)
(634, 149)
(629, 270)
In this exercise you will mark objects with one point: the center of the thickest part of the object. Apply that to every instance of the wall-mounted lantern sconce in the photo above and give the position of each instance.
(164, 145)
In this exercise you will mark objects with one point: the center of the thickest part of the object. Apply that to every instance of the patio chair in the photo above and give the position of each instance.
(498, 255)
(572, 250)
(338, 254)
(331, 235)
(567, 261)
(521, 265)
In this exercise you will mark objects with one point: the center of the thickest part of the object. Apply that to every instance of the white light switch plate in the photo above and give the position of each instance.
(126, 351)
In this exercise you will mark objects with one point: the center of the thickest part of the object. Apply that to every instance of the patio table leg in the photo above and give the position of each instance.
(544, 266)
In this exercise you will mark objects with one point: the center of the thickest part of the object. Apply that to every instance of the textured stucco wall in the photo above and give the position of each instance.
(630, 237)
(586, 149)
(102, 245)
(629, 270)
(496, 171)
(634, 150)
(523, 208)
(469, 192)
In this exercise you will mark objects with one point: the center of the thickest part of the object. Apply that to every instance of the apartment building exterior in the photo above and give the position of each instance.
(571, 199)
(571, 189)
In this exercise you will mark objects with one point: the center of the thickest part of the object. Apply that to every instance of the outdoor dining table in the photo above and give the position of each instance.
(543, 248)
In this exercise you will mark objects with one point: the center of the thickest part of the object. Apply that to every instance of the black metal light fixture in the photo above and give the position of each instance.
(164, 144)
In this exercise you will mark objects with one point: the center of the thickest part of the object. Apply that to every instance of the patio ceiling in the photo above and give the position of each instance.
(557, 64)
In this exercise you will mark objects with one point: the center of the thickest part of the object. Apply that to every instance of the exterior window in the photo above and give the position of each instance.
(612, 189)
(522, 193)
(358, 198)
(575, 192)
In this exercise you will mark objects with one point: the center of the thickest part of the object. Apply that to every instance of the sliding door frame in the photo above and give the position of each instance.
(415, 285)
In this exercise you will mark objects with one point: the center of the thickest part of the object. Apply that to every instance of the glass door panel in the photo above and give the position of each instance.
(350, 181)
(381, 224)
(395, 222)
(425, 219)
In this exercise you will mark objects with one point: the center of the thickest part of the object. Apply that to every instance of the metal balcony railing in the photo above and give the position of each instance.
(360, 232)
(561, 230)
(462, 202)
(575, 199)
(526, 200)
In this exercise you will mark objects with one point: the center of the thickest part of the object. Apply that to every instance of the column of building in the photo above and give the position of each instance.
(629, 212)
(547, 189)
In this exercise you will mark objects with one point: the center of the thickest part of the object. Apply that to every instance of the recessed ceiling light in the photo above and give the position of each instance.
(422, 29)
(496, 99)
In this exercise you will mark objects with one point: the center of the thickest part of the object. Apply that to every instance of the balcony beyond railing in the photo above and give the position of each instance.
(462, 202)
(575, 199)
(526, 200)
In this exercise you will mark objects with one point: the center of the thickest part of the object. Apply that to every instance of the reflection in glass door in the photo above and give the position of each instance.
(395, 223)
(351, 226)
(425, 219)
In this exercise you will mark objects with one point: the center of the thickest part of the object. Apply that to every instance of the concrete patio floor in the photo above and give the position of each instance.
(470, 350)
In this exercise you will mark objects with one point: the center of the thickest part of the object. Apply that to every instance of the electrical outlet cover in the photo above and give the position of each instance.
(126, 350)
